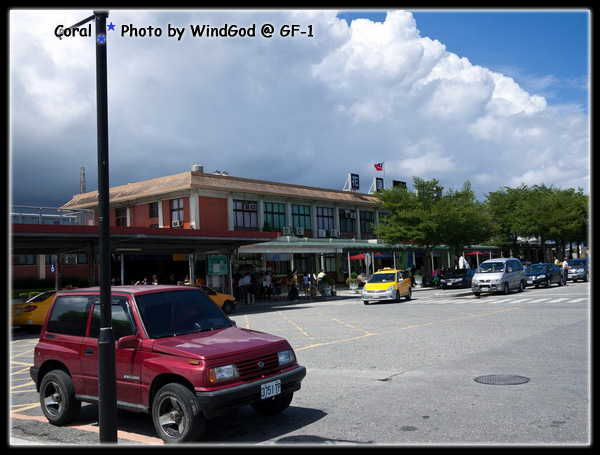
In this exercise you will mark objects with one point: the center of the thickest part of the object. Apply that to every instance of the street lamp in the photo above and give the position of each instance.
(107, 383)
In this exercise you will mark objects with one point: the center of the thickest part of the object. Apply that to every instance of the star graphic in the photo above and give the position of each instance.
(111, 26)
(101, 39)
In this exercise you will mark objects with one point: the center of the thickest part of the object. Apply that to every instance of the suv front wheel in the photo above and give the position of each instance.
(57, 398)
(176, 414)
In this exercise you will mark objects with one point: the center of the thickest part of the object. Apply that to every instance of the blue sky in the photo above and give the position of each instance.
(546, 52)
(494, 98)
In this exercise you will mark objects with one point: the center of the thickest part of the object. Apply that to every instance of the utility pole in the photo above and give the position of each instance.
(107, 382)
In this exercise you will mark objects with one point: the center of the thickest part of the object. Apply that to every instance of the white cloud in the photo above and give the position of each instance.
(305, 110)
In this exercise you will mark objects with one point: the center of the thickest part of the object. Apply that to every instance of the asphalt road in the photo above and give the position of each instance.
(443, 369)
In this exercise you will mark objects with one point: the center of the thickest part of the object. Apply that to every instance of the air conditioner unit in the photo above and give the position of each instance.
(333, 233)
(176, 223)
(349, 213)
(299, 231)
(321, 233)
(286, 230)
(250, 206)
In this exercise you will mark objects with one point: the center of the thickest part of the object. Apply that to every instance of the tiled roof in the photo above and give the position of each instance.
(183, 182)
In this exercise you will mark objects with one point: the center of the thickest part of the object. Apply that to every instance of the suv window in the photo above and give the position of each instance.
(70, 315)
(121, 320)
(178, 312)
(515, 265)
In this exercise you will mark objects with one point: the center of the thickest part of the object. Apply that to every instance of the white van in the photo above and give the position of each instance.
(498, 275)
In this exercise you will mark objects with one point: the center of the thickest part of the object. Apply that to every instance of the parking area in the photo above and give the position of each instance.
(393, 374)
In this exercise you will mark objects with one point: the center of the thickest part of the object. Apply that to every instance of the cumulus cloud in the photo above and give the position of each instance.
(305, 110)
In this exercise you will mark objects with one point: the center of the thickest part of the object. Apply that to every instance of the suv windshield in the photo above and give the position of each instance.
(574, 262)
(179, 312)
(491, 267)
(382, 278)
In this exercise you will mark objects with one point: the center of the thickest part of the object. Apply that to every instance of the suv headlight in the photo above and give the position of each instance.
(223, 373)
(286, 356)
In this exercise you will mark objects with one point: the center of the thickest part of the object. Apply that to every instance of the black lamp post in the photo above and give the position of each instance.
(107, 383)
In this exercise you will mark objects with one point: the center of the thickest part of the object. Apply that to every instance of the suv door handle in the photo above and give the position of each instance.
(89, 351)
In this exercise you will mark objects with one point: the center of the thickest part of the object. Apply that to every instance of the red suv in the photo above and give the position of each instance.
(178, 357)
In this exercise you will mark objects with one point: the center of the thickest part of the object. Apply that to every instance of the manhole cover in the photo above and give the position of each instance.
(502, 379)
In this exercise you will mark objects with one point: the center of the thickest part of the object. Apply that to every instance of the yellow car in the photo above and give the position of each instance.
(387, 284)
(224, 301)
(32, 312)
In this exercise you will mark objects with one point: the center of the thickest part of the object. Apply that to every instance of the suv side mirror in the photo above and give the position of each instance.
(127, 342)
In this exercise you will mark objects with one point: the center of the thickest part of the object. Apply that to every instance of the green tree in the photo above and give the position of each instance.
(540, 211)
(429, 218)
(502, 206)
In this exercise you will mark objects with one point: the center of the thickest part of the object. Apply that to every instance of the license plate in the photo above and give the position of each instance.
(270, 389)
(529, 282)
(485, 288)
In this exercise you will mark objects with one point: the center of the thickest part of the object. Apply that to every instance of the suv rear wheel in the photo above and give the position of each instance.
(57, 398)
(176, 414)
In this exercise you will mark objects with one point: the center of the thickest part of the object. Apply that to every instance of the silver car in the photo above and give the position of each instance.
(498, 275)
(578, 269)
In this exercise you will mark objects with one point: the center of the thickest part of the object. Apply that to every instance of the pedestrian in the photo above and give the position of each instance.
(293, 282)
(565, 271)
(154, 279)
(243, 288)
(306, 285)
(276, 282)
(267, 286)
(251, 289)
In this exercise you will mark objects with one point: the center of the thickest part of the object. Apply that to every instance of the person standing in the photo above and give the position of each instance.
(267, 286)
(565, 271)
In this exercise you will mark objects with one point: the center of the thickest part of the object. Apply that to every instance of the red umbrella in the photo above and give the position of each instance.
(362, 256)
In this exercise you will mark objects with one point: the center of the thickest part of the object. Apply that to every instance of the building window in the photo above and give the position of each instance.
(347, 220)
(24, 259)
(153, 207)
(245, 214)
(121, 217)
(275, 215)
(301, 216)
(325, 218)
(177, 209)
(367, 220)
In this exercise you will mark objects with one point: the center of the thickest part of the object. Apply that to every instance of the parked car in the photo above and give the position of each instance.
(178, 358)
(32, 312)
(456, 278)
(387, 284)
(498, 275)
(225, 301)
(578, 269)
(544, 274)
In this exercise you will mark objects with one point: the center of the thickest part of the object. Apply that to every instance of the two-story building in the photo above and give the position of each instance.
(311, 228)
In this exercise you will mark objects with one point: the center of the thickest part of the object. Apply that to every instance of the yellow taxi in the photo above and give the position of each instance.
(32, 312)
(385, 285)
(224, 301)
